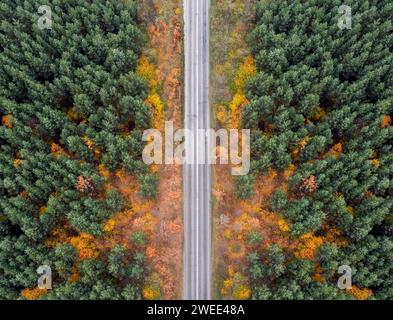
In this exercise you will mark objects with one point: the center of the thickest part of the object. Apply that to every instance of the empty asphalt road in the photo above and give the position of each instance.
(197, 177)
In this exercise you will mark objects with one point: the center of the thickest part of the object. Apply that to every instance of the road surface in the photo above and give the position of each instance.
(197, 177)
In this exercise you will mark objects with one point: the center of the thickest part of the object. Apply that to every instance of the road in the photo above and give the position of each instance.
(197, 177)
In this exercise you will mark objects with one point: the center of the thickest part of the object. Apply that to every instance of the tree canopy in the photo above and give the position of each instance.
(70, 103)
(322, 102)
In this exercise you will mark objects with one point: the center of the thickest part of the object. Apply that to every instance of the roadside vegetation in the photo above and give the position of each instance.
(163, 66)
(231, 66)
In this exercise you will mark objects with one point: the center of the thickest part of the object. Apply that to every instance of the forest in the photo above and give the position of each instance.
(320, 112)
(72, 110)
(77, 93)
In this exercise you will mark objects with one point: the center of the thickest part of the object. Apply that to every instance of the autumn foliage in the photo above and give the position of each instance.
(86, 246)
(309, 184)
(57, 150)
(308, 246)
(148, 72)
(245, 73)
(84, 184)
(164, 77)
(386, 121)
(157, 107)
(360, 294)
(33, 294)
(6, 121)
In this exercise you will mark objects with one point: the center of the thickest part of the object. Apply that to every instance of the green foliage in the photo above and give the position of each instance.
(148, 185)
(254, 238)
(118, 277)
(317, 103)
(73, 101)
(65, 257)
(244, 186)
(279, 200)
(139, 238)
